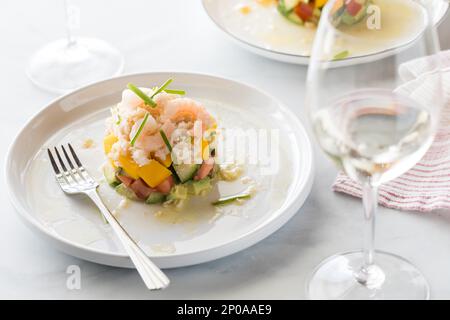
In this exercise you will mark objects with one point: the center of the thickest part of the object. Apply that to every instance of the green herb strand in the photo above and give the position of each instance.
(166, 141)
(147, 100)
(180, 92)
(227, 200)
(341, 55)
(138, 132)
(161, 88)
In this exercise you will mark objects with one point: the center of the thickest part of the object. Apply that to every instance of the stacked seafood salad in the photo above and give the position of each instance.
(160, 146)
(308, 12)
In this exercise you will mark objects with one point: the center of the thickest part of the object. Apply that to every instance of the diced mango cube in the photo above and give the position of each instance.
(153, 173)
(205, 149)
(129, 166)
(320, 3)
(108, 142)
(166, 162)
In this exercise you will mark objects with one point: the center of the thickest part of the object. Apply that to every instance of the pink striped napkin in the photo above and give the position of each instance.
(426, 186)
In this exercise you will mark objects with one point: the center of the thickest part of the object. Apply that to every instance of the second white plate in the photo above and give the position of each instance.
(265, 32)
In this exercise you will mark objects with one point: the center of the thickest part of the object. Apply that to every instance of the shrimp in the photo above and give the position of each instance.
(153, 142)
(187, 110)
(150, 127)
(163, 98)
(131, 100)
(150, 143)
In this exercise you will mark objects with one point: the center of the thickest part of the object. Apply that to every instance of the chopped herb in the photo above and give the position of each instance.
(180, 92)
(119, 119)
(229, 199)
(138, 132)
(148, 100)
(166, 141)
(165, 84)
(341, 55)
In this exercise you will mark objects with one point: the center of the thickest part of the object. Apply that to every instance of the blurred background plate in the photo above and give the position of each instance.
(264, 31)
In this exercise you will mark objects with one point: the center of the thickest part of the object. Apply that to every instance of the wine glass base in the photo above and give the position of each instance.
(61, 67)
(391, 278)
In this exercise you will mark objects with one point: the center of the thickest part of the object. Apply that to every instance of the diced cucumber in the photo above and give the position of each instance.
(362, 13)
(293, 17)
(155, 197)
(288, 12)
(178, 192)
(126, 192)
(110, 175)
(348, 19)
(186, 171)
(199, 187)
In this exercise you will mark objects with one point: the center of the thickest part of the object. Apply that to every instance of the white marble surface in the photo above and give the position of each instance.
(177, 35)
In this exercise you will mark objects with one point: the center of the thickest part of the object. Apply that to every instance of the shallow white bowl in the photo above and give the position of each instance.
(217, 10)
(72, 224)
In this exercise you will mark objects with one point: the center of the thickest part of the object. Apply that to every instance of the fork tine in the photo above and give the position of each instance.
(67, 158)
(67, 173)
(75, 157)
(52, 160)
(76, 171)
(61, 162)
(60, 176)
(80, 167)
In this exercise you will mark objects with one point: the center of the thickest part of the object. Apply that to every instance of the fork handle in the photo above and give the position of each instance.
(153, 277)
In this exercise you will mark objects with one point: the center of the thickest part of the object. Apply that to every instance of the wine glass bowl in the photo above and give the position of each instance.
(61, 66)
(375, 120)
(70, 63)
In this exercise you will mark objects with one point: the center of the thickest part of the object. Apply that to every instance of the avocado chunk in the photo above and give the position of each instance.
(155, 197)
(126, 192)
(178, 192)
(185, 172)
(199, 187)
(110, 175)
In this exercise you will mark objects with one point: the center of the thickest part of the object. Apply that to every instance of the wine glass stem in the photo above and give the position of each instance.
(370, 203)
(72, 22)
(369, 274)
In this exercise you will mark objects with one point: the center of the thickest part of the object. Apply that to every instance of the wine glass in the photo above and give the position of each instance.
(374, 111)
(69, 63)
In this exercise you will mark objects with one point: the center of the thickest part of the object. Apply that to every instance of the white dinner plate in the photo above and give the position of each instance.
(265, 32)
(74, 225)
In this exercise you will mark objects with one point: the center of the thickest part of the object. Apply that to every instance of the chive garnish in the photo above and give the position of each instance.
(165, 84)
(166, 141)
(229, 199)
(119, 119)
(138, 132)
(148, 100)
(341, 55)
(180, 92)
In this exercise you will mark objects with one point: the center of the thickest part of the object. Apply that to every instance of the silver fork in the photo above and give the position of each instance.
(74, 179)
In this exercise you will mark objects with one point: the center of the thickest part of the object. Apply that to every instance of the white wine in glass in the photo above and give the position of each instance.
(70, 63)
(375, 123)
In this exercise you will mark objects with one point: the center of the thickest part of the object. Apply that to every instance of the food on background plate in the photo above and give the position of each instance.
(160, 146)
(308, 12)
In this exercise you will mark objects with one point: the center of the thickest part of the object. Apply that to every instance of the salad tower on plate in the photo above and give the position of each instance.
(308, 12)
(160, 145)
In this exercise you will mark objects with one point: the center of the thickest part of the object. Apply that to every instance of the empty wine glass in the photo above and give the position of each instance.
(69, 63)
(374, 112)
